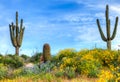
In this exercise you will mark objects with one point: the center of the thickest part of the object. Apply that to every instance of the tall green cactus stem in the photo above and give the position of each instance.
(109, 38)
(16, 34)
(46, 52)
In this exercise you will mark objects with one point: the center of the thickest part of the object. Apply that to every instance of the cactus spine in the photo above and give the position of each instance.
(109, 37)
(46, 52)
(16, 34)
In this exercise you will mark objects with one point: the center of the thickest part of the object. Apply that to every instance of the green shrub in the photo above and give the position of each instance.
(84, 62)
(3, 71)
(65, 57)
(25, 57)
(13, 61)
(1, 59)
(59, 73)
(88, 68)
(69, 72)
(46, 67)
(17, 72)
(48, 77)
(35, 58)
(30, 70)
(69, 53)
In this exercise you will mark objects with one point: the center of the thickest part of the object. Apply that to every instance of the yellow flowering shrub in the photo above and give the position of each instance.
(66, 53)
(90, 62)
(105, 76)
(66, 58)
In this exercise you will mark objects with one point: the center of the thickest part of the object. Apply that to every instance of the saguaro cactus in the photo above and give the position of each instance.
(46, 52)
(109, 38)
(16, 34)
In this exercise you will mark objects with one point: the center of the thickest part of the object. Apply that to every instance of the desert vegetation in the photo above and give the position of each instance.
(68, 65)
(94, 65)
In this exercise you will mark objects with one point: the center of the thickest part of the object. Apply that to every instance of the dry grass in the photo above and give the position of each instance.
(24, 79)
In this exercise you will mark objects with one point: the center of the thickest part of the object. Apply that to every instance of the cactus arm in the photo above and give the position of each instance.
(21, 36)
(16, 25)
(20, 33)
(17, 19)
(14, 38)
(12, 34)
(21, 25)
(115, 29)
(17, 29)
(107, 22)
(108, 30)
(101, 32)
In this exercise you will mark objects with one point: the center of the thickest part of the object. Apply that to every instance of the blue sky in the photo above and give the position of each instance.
(61, 23)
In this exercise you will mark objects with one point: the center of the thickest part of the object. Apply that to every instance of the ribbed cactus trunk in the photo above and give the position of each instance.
(109, 45)
(16, 34)
(108, 38)
(17, 50)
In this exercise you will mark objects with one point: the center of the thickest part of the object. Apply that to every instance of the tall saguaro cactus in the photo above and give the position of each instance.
(16, 34)
(109, 38)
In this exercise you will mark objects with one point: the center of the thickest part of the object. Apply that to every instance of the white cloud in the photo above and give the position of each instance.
(88, 34)
(115, 9)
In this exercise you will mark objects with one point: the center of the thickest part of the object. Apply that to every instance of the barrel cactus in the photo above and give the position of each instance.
(46, 52)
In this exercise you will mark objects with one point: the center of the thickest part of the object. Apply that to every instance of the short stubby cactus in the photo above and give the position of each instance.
(16, 34)
(46, 52)
(109, 38)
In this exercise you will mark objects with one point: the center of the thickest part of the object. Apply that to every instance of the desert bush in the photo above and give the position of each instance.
(66, 53)
(36, 57)
(30, 70)
(13, 61)
(46, 67)
(82, 62)
(106, 76)
(1, 59)
(25, 56)
(17, 72)
(49, 77)
(65, 58)
(69, 72)
(59, 73)
(89, 68)
(3, 71)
